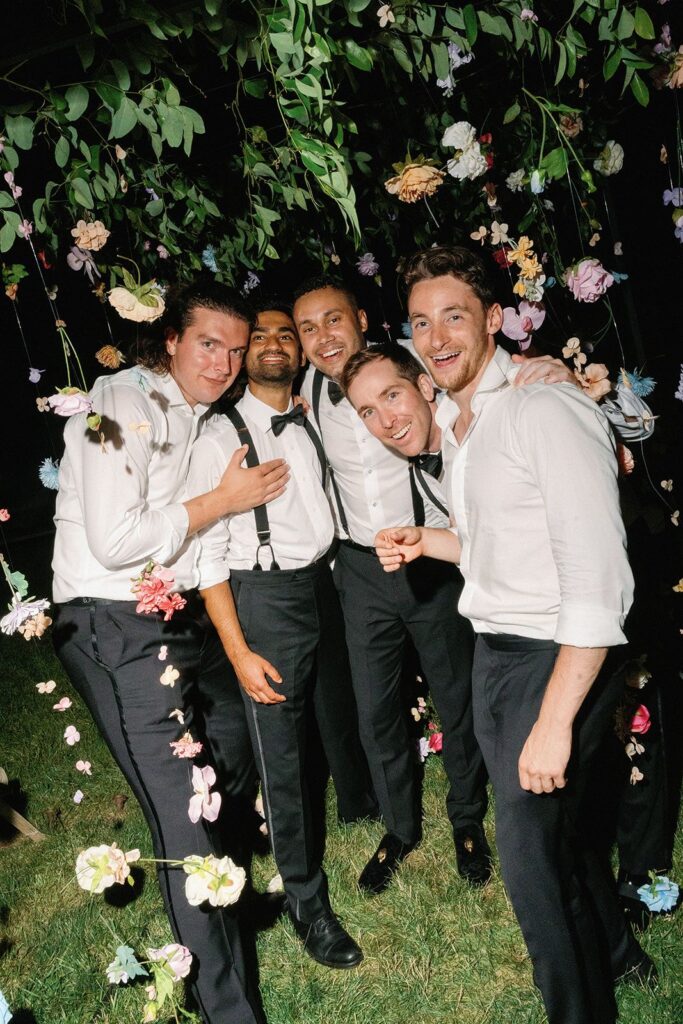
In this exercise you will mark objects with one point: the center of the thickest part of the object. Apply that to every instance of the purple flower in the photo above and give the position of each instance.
(678, 230)
(26, 228)
(81, 259)
(34, 375)
(367, 265)
(152, 194)
(588, 280)
(526, 14)
(14, 189)
(672, 196)
(520, 324)
(162, 252)
(664, 44)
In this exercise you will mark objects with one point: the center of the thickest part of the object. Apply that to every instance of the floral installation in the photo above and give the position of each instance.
(166, 966)
(414, 179)
(218, 881)
(81, 259)
(91, 235)
(385, 15)
(469, 161)
(11, 276)
(153, 589)
(531, 279)
(367, 265)
(610, 160)
(100, 867)
(204, 803)
(26, 615)
(4, 515)
(251, 282)
(519, 324)
(69, 401)
(456, 59)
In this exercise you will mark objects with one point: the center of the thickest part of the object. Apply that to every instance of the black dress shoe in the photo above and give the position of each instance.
(638, 970)
(380, 869)
(473, 855)
(326, 941)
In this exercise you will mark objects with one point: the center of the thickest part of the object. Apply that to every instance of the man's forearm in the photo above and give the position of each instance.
(574, 672)
(221, 609)
(442, 544)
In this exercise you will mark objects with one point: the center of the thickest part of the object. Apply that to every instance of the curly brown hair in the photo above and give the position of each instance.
(453, 260)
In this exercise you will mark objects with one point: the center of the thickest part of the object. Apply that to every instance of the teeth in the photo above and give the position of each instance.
(401, 433)
(332, 352)
(447, 355)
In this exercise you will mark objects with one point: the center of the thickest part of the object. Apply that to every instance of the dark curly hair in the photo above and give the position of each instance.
(450, 260)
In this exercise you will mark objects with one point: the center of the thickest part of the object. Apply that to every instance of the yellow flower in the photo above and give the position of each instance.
(529, 268)
(414, 182)
(524, 250)
(110, 357)
(519, 288)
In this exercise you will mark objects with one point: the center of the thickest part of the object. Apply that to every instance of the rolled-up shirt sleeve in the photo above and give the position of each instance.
(568, 446)
(207, 465)
(121, 527)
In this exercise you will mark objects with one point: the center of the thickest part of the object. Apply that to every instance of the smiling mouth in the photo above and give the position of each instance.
(273, 358)
(445, 358)
(331, 353)
(400, 434)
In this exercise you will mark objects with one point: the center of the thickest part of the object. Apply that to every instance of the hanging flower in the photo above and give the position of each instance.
(34, 375)
(109, 357)
(91, 235)
(69, 401)
(588, 280)
(162, 252)
(520, 324)
(460, 135)
(144, 305)
(48, 472)
(595, 380)
(163, 652)
(16, 190)
(515, 181)
(672, 196)
(4, 515)
(251, 281)
(26, 228)
(625, 459)
(640, 386)
(526, 14)
(571, 125)
(610, 160)
(209, 259)
(186, 746)
(675, 77)
(667, 485)
(35, 627)
(367, 265)
(470, 164)
(99, 867)
(20, 612)
(479, 235)
(178, 714)
(169, 676)
(423, 748)
(386, 15)
(634, 748)
(640, 723)
(660, 896)
(218, 881)
(414, 181)
(636, 776)
(204, 803)
(498, 233)
(175, 959)
(537, 182)
(456, 59)
(81, 259)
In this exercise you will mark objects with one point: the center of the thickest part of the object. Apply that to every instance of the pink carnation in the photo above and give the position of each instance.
(171, 603)
(186, 746)
(69, 402)
(150, 592)
(435, 742)
(640, 723)
(588, 280)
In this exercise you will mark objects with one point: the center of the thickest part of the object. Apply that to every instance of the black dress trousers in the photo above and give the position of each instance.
(380, 609)
(560, 884)
(111, 656)
(283, 615)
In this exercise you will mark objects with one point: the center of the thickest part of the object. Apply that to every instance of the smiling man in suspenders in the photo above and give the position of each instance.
(278, 616)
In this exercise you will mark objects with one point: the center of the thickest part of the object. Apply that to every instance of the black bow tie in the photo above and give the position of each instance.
(334, 392)
(429, 462)
(295, 415)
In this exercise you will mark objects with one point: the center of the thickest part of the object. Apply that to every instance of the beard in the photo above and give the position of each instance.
(283, 373)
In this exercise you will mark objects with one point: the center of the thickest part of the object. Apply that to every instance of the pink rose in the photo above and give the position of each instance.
(640, 723)
(588, 280)
(176, 958)
(435, 742)
(70, 401)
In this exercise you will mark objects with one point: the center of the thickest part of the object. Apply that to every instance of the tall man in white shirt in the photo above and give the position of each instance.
(531, 481)
(268, 589)
(120, 505)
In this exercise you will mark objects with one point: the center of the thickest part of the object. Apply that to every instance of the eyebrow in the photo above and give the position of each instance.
(382, 394)
(446, 309)
(328, 312)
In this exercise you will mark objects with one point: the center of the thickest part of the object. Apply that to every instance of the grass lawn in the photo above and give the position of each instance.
(435, 951)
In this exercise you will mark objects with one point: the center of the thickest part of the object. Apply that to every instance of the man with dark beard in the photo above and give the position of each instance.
(268, 589)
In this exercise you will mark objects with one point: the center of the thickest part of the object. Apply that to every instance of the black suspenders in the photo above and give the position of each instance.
(252, 459)
(418, 504)
(318, 379)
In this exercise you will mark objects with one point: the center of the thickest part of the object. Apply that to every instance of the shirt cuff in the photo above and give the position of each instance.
(211, 573)
(580, 625)
(179, 519)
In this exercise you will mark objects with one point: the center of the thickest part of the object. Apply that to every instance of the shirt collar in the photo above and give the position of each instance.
(166, 385)
(258, 411)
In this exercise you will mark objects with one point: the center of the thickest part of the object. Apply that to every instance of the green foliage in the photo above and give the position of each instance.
(305, 88)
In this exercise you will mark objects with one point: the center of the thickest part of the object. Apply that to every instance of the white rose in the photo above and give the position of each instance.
(611, 159)
(460, 135)
(98, 867)
(472, 164)
(218, 881)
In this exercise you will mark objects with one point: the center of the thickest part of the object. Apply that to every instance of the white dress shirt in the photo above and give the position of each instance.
(300, 519)
(373, 481)
(119, 507)
(533, 490)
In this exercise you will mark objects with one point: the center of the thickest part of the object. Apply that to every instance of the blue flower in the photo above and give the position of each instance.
(209, 259)
(640, 386)
(49, 474)
(660, 896)
(407, 329)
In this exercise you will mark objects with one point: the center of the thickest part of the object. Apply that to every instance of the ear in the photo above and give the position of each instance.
(302, 356)
(494, 318)
(425, 386)
(171, 341)
(363, 320)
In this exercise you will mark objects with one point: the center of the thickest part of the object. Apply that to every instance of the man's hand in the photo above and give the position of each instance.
(542, 368)
(544, 758)
(398, 545)
(251, 671)
(243, 489)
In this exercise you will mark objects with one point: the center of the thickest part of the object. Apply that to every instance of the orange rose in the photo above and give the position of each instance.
(414, 182)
